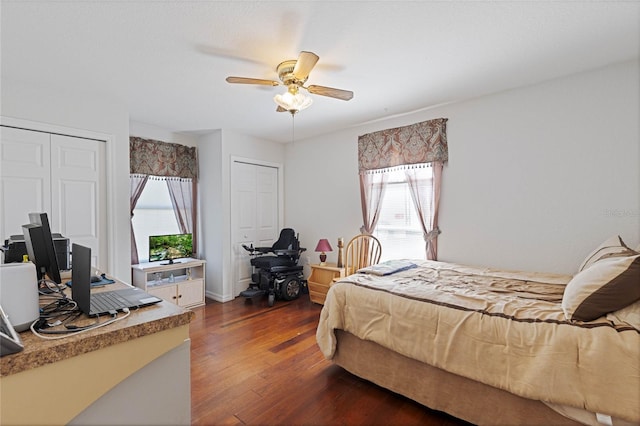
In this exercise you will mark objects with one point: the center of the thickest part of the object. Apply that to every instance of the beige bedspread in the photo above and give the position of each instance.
(504, 329)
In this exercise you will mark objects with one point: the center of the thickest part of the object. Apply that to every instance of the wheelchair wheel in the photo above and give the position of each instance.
(290, 288)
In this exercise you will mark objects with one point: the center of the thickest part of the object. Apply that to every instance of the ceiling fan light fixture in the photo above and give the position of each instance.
(293, 101)
(294, 73)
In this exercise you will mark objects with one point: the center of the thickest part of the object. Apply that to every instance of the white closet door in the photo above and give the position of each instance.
(266, 211)
(63, 176)
(254, 215)
(25, 177)
(79, 193)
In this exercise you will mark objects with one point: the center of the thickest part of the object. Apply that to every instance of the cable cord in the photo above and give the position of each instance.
(75, 331)
(47, 287)
(56, 307)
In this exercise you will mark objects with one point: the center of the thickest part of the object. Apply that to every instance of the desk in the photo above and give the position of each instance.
(132, 371)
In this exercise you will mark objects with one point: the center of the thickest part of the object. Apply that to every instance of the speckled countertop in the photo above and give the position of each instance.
(148, 320)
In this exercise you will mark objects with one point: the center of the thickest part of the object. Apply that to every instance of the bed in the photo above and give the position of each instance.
(494, 347)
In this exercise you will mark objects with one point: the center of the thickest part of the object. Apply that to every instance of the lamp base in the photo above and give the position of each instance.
(323, 258)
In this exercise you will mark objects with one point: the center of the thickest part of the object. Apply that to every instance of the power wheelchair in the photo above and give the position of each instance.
(277, 275)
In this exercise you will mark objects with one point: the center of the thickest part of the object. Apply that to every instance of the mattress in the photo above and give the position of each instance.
(500, 328)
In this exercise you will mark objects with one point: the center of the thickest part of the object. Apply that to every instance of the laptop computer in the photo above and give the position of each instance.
(104, 302)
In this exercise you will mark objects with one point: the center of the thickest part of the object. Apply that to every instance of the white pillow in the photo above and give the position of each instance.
(611, 247)
(605, 286)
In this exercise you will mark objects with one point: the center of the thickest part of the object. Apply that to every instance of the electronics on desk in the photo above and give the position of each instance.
(40, 247)
(107, 302)
(15, 248)
(19, 282)
(9, 340)
(19, 293)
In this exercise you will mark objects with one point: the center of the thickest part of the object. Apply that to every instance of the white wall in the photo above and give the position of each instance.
(216, 151)
(537, 176)
(149, 131)
(86, 112)
(211, 211)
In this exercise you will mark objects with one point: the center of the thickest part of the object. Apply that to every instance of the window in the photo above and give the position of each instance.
(399, 229)
(153, 215)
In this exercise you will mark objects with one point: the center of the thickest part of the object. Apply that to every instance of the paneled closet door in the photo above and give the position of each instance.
(254, 215)
(79, 192)
(63, 176)
(25, 178)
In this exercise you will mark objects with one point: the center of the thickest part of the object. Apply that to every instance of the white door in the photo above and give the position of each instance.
(79, 193)
(26, 174)
(61, 175)
(254, 215)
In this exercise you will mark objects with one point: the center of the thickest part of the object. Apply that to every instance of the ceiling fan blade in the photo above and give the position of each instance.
(305, 63)
(345, 95)
(243, 80)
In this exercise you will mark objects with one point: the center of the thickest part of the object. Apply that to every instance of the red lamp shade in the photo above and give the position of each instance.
(323, 246)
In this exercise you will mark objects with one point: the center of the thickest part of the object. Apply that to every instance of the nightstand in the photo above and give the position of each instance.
(321, 279)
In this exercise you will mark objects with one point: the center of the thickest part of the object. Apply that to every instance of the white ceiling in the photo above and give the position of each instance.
(166, 61)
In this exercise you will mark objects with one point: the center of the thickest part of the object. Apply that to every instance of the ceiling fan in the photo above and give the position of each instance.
(294, 74)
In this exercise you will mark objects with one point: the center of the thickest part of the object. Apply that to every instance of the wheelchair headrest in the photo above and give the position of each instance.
(287, 240)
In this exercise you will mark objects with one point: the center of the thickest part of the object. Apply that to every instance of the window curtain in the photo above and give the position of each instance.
(182, 193)
(156, 158)
(137, 183)
(420, 143)
(424, 185)
(177, 163)
(372, 186)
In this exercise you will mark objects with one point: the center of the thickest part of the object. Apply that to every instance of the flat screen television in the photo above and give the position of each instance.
(170, 247)
(40, 247)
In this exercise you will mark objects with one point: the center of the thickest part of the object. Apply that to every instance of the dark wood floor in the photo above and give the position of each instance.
(256, 365)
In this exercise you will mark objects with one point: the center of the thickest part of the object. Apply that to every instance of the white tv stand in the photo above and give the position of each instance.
(181, 282)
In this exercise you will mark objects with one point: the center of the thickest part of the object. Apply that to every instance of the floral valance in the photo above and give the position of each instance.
(151, 157)
(424, 142)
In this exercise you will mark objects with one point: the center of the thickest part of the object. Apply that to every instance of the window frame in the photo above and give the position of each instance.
(142, 237)
(415, 245)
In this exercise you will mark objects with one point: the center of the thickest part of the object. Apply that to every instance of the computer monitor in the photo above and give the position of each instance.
(40, 247)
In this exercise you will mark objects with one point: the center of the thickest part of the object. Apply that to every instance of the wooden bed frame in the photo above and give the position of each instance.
(437, 389)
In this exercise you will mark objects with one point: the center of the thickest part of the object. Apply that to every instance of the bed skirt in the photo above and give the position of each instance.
(439, 390)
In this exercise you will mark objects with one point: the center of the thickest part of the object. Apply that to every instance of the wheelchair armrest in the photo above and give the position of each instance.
(263, 250)
(251, 249)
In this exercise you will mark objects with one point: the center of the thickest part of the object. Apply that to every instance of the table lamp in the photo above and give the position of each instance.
(322, 247)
